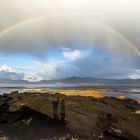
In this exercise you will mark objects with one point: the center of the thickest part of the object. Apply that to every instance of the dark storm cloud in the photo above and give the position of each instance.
(48, 23)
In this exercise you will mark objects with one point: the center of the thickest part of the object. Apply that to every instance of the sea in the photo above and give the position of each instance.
(131, 91)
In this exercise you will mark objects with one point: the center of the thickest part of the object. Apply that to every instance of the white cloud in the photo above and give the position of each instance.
(6, 68)
(32, 76)
(10, 73)
(135, 74)
(52, 69)
(72, 54)
(48, 70)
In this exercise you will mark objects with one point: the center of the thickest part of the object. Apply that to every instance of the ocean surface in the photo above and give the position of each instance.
(129, 91)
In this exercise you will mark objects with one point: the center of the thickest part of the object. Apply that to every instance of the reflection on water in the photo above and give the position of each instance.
(132, 90)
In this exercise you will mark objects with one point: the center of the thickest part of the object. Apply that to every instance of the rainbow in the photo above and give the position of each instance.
(9, 28)
(119, 34)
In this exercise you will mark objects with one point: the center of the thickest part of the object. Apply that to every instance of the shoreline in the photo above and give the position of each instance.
(97, 93)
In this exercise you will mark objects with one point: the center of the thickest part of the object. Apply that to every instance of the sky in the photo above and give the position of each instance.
(55, 39)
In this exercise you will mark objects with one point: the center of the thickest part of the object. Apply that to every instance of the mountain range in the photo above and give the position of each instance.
(74, 80)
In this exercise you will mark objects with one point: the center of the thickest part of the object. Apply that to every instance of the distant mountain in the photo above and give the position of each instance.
(74, 80)
(9, 81)
(79, 80)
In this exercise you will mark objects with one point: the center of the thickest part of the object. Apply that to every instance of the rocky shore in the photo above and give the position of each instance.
(36, 116)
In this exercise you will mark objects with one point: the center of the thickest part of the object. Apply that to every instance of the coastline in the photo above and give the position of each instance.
(97, 93)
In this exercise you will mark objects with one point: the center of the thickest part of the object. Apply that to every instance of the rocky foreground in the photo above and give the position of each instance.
(34, 116)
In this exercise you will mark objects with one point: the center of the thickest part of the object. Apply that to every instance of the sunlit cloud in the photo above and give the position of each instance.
(72, 54)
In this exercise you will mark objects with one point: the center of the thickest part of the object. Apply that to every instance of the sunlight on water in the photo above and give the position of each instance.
(133, 93)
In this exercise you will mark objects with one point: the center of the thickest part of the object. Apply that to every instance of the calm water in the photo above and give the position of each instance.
(135, 96)
(130, 91)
